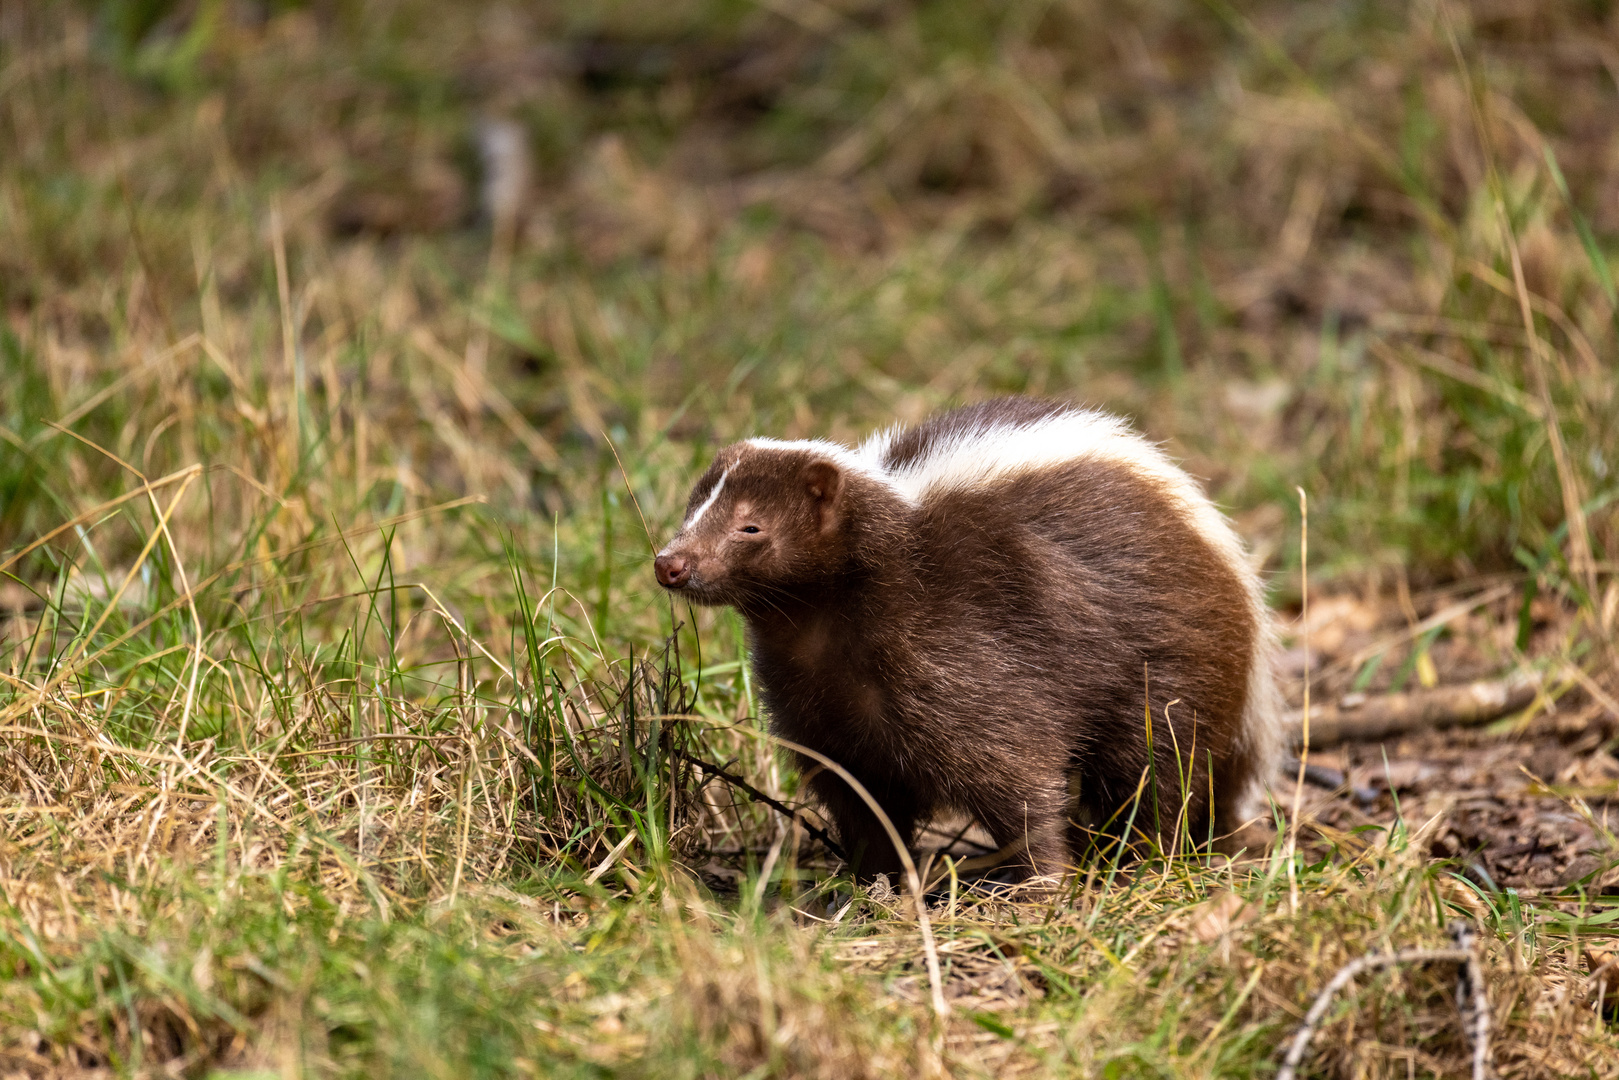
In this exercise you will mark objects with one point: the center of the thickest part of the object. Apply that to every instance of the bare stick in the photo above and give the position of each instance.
(775, 804)
(1396, 714)
(1472, 998)
(1470, 988)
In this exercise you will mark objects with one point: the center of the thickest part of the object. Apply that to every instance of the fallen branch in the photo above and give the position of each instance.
(775, 804)
(1368, 719)
(1472, 997)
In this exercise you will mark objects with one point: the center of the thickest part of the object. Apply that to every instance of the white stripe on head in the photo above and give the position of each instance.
(697, 515)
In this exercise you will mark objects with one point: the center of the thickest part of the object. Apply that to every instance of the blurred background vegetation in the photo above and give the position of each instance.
(1273, 236)
(356, 354)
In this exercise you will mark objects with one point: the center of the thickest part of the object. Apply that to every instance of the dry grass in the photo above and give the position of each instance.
(343, 730)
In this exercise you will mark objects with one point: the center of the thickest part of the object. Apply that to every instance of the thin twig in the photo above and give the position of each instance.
(958, 837)
(1471, 994)
(1470, 988)
(775, 804)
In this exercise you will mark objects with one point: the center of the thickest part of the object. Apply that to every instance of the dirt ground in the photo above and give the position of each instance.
(1526, 801)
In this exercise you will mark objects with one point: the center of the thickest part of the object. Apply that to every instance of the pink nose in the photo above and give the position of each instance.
(672, 571)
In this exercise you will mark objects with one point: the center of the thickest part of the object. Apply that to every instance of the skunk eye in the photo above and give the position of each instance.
(750, 528)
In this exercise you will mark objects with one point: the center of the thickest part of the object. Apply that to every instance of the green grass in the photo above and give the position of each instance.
(369, 759)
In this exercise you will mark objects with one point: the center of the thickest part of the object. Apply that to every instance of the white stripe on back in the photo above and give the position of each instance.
(975, 458)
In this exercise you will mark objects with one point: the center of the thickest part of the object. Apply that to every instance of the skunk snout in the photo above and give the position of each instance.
(673, 571)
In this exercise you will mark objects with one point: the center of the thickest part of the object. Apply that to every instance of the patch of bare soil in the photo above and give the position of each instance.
(1528, 800)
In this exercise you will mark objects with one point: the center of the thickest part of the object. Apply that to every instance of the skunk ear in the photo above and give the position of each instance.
(823, 482)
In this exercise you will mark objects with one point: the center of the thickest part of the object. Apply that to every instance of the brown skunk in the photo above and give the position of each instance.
(980, 614)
